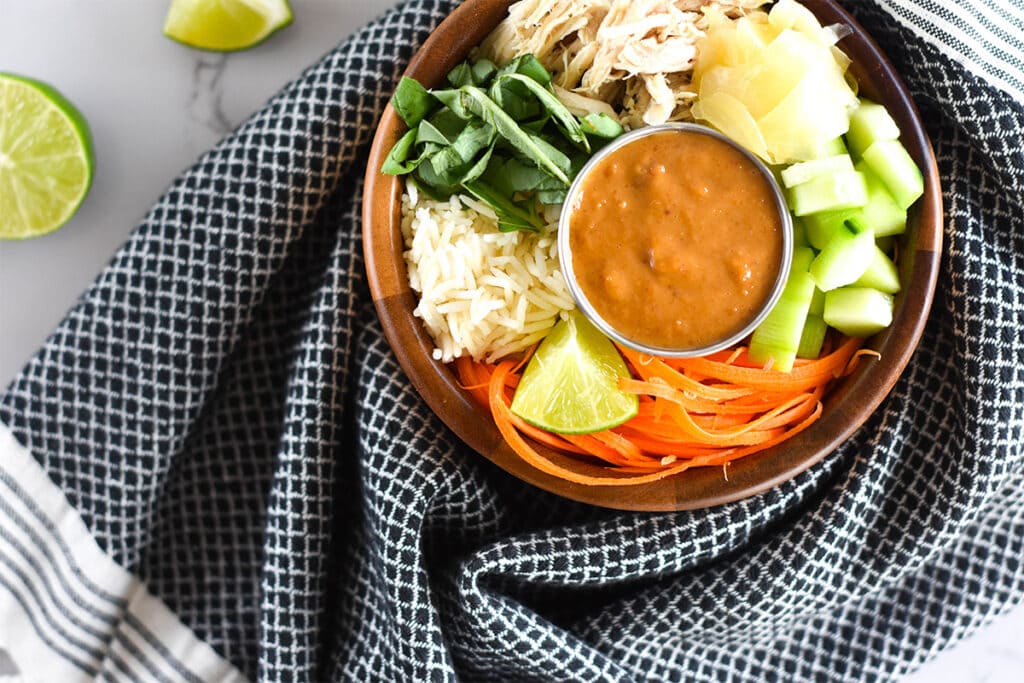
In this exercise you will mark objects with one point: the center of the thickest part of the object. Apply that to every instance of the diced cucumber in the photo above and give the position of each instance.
(881, 274)
(799, 233)
(821, 226)
(777, 337)
(846, 256)
(812, 337)
(896, 169)
(842, 190)
(858, 311)
(798, 174)
(817, 302)
(869, 123)
(802, 258)
(831, 148)
(881, 212)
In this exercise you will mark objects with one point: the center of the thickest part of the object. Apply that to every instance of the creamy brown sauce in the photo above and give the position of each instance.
(676, 240)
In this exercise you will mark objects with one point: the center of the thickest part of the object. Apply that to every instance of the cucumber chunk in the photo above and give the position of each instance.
(881, 274)
(777, 337)
(858, 311)
(881, 212)
(869, 123)
(821, 226)
(817, 302)
(842, 190)
(799, 233)
(846, 256)
(831, 148)
(798, 174)
(812, 337)
(896, 169)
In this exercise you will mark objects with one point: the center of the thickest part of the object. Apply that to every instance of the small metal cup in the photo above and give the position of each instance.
(565, 252)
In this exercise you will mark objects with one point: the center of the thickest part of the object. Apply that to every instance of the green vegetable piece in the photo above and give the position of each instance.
(896, 169)
(524, 176)
(412, 102)
(798, 174)
(511, 216)
(841, 190)
(812, 337)
(447, 123)
(469, 101)
(441, 187)
(777, 338)
(478, 168)
(858, 311)
(529, 66)
(397, 161)
(831, 148)
(817, 302)
(461, 75)
(800, 233)
(560, 114)
(821, 226)
(881, 212)
(428, 132)
(869, 123)
(846, 256)
(517, 101)
(555, 155)
(601, 126)
(483, 71)
(802, 259)
(552, 196)
(881, 274)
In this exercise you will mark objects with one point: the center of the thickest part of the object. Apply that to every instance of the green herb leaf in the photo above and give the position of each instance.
(552, 196)
(473, 101)
(397, 161)
(560, 114)
(529, 66)
(460, 76)
(428, 132)
(483, 71)
(412, 101)
(511, 216)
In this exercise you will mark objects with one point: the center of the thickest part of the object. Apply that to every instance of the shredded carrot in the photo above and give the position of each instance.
(694, 412)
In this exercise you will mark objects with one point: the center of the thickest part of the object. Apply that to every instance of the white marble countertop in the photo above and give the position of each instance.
(154, 106)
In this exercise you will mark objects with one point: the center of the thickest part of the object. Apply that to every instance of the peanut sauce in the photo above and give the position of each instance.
(676, 240)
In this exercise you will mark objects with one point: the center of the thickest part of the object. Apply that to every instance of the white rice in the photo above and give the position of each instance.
(483, 292)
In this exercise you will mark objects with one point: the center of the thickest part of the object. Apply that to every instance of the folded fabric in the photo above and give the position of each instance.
(216, 470)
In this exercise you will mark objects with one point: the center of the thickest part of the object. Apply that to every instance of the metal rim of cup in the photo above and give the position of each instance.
(583, 303)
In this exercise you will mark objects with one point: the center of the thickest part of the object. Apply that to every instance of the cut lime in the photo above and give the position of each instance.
(570, 385)
(45, 158)
(225, 24)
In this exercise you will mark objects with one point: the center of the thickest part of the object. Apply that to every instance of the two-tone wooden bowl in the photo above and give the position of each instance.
(846, 407)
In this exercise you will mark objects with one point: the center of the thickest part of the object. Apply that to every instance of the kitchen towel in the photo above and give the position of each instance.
(215, 469)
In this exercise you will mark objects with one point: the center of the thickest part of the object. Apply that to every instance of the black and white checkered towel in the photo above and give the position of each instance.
(215, 469)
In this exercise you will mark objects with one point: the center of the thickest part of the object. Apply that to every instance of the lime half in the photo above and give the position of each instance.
(225, 24)
(570, 385)
(45, 158)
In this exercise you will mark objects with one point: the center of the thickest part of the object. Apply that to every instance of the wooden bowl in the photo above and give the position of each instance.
(846, 407)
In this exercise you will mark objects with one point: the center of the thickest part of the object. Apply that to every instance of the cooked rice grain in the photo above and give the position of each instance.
(483, 292)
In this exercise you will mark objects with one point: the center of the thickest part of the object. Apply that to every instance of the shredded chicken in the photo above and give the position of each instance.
(636, 55)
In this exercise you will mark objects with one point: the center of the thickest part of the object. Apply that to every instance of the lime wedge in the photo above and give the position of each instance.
(45, 158)
(570, 385)
(225, 24)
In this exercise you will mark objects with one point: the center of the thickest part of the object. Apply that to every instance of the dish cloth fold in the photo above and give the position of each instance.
(215, 469)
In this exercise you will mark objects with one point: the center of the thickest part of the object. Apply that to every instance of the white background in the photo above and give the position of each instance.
(154, 106)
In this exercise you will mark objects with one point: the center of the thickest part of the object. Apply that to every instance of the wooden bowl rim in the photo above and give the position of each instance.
(846, 408)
